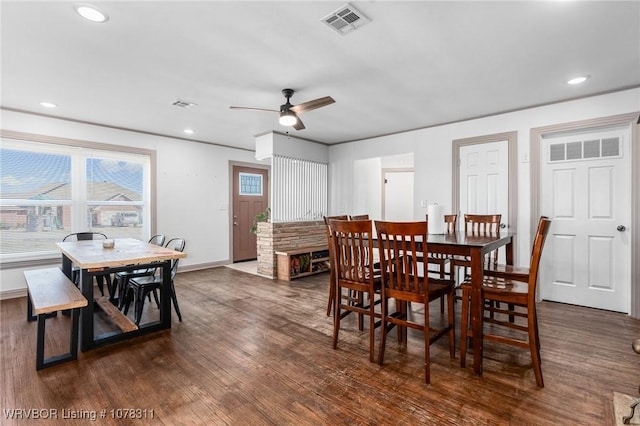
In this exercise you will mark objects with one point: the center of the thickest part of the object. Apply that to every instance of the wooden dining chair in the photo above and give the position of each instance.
(439, 259)
(477, 224)
(332, 274)
(520, 299)
(359, 217)
(513, 272)
(408, 282)
(356, 285)
(75, 272)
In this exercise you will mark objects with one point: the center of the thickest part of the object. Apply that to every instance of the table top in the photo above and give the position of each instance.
(126, 251)
(468, 239)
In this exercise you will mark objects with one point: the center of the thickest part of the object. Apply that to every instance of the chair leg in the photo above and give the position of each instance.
(155, 297)
(100, 281)
(126, 301)
(330, 302)
(175, 301)
(372, 335)
(122, 292)
(139, 305)
(464, 327)
(360, 303)
(383, 337)
(534, 346)
(451, 297)
(427, 345)
(336, 315)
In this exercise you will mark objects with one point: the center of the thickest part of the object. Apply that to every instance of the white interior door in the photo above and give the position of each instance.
(398, 196)
(484, 180)
(586, 193)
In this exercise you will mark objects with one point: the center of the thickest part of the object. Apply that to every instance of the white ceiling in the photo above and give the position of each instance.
(416, 64)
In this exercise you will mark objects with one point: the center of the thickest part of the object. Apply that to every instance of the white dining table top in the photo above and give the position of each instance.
(90, 254)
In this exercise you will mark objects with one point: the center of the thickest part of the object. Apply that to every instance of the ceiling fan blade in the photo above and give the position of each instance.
(254, 109)
(309, 105)
(299, 125)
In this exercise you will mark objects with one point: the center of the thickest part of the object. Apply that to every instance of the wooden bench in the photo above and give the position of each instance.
(301, 262)
(49, 291)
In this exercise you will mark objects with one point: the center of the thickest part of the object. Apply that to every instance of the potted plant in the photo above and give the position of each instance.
(260, 217)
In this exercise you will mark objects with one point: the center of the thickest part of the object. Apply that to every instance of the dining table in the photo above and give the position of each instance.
(474, 246)
(95, 258)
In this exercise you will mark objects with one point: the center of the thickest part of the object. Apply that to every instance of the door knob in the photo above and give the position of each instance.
(235, 223)
(502, 226)
(621, 228)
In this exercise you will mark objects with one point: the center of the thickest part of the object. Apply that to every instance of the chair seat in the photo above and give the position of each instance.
(502, 290)
(135, 273)
(507, 271)
(148, 280)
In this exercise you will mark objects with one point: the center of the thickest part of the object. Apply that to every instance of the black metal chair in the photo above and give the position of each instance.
(121, 279)
(139, 288)
(75, 272)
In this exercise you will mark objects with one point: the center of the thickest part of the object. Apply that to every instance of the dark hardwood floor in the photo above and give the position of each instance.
(252, 351)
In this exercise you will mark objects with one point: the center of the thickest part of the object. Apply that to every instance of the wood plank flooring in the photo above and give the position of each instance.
(252, 351)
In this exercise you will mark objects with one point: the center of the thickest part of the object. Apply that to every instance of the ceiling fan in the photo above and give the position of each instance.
(289, 113)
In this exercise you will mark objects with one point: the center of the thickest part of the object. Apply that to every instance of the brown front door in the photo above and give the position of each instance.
(250, 197)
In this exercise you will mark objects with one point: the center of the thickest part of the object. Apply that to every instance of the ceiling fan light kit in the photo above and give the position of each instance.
(288, 118)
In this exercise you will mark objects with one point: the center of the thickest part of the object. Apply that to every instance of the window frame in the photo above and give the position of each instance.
(40, 258)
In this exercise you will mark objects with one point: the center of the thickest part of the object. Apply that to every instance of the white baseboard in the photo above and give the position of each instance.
(13, 294)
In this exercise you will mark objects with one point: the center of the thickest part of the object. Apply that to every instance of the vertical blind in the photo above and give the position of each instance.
(299, 191)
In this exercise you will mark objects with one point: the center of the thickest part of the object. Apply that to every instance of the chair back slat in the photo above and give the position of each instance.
(398, 248)
(450, 223)
(359, 217)
(353, 249)
(330, 243)
(484, 224)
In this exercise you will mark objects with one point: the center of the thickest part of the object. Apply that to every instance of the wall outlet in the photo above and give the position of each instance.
(423, 203)
(525, 157)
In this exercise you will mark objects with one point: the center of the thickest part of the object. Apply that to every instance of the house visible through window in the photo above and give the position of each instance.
(48, 191)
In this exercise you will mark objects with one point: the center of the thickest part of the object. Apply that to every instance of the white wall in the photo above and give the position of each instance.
(367, 198)
(432, 153)
(192, 186)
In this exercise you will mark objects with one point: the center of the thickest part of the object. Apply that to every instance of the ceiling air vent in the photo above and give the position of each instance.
(183, 104)
(345, 19)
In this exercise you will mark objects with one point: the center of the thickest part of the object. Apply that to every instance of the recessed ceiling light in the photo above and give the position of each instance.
(91, 13)
(48, 104)
(578, 80)
(189, 131)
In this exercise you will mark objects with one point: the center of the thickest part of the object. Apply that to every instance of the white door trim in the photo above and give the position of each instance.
(536, 136)
(512, 143)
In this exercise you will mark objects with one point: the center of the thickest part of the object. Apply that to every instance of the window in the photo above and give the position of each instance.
(48, 191)
(250, 184)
